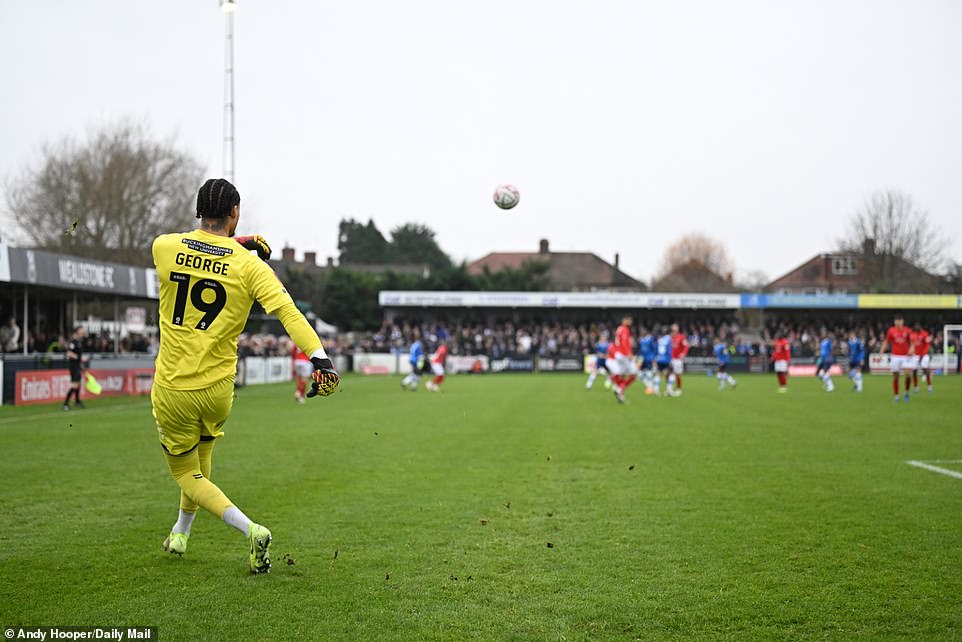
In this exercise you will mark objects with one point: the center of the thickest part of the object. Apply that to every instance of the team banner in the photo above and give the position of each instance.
(512, 364)
(619, 300)
(910, 301)
(50, 386)
(938, 363)
(466, 363)
(660, 300)
(844, 301)
(561, 363)
(62, 271)
(380, 363)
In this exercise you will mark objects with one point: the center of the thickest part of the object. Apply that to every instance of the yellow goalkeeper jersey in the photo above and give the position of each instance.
(207, 286)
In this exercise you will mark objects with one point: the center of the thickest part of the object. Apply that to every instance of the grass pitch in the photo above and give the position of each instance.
(508, 507)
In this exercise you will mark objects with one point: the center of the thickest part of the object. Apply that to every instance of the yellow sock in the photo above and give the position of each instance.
(204, 455)
(186, 471)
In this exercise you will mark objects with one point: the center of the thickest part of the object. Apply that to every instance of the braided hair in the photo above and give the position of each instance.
(216, 198)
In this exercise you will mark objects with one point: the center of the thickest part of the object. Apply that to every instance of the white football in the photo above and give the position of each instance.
(506, 196)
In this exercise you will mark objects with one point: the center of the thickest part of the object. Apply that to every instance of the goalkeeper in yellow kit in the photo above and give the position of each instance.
(208, 282)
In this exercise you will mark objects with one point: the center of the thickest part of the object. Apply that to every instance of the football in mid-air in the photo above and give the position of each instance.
(506, 196)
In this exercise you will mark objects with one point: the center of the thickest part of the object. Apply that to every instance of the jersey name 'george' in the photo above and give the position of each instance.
(200, 263)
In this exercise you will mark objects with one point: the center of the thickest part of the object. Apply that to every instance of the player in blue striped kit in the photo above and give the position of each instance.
(601, 350)
(724, 358)
(416, 357)
(663, 363)
(647, 351)
(825, 361)
(856, 360)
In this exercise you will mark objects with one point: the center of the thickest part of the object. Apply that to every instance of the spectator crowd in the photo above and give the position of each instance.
(545, 338)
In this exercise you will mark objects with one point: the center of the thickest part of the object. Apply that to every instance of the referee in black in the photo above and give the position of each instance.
(75, 355)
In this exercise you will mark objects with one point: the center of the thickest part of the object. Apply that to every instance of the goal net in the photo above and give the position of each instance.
(950, 361)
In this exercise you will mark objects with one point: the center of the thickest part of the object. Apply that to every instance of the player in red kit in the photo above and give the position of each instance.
(623, 360)
(302, 371)
(922, 341)
(438, 361)
(899, 338)
(781, 355)
(679, 350)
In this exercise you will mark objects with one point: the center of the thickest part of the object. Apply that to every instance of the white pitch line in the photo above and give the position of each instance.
(935, 469)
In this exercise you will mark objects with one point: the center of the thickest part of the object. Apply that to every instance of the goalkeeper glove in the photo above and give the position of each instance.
(255, 242)
(325, 378)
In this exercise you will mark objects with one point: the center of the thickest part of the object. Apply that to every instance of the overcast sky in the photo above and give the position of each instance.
(625, 124)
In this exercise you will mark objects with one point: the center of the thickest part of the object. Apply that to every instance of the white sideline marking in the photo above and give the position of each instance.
(936, 469)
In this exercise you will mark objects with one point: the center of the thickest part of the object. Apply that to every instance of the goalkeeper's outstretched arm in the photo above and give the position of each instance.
(325, 377)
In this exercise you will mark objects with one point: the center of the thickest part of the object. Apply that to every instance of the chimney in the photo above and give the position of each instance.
(868, 247)
(616, 260)
(543, 247)
(287, 254)
(330, 261)
(310, 258)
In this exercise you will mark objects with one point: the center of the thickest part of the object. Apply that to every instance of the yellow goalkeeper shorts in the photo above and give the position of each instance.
(184, 417)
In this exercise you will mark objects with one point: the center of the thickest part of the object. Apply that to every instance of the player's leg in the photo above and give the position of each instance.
(729, 379)
(66, 401)
(613, 366)
(176, 542)
(629, 371)
(217, 403)
(896, 368)
(194, 416)
(922, 364)
(781, 372)
(301, 389)
(438, 371)
(196, 489)
(647, 376)
(185, 469)
(72, 391)
(829, 384)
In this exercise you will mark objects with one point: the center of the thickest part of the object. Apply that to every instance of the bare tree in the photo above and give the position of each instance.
(700, 248)
(897, 242)
(752, 281)
(889, 224)
(107, 197)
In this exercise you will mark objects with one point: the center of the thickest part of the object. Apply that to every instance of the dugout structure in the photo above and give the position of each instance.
(49, 293)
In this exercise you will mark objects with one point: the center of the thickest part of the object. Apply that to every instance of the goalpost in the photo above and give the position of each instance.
(951, 327)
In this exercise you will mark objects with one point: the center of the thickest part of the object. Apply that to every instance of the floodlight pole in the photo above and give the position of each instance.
(228, 7)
